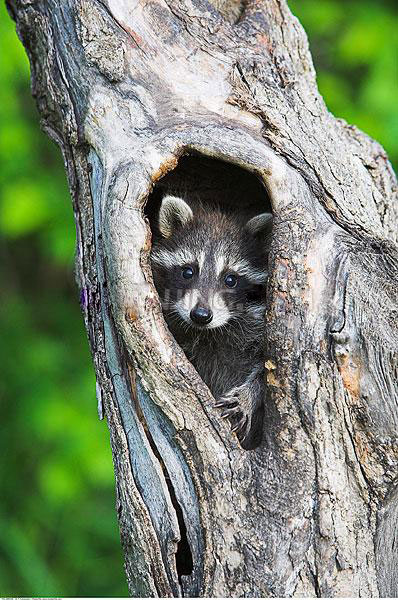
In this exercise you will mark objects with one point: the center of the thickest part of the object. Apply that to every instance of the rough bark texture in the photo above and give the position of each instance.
(126, 88)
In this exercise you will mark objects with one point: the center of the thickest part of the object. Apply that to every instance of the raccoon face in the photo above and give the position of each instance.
(209, 267)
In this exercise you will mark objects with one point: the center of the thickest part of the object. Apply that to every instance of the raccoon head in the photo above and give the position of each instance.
(209, 265)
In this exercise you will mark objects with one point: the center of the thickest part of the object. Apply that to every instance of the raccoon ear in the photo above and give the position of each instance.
(174, 212)
(260, 224)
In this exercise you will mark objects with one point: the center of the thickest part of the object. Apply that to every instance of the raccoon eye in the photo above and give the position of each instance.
(231, 280)
(187, 272)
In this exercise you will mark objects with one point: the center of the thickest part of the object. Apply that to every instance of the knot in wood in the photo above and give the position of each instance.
(131, 315)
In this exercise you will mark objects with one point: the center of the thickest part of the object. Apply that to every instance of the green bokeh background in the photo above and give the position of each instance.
(58, 529)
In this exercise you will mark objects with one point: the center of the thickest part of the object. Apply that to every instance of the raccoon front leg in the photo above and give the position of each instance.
(244, 407)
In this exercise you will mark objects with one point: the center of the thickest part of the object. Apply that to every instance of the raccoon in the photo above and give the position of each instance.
(209, 268)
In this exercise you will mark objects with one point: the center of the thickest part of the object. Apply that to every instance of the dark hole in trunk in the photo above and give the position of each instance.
(216, 180)
(211, 223)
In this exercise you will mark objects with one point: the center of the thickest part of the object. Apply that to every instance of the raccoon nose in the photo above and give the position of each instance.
(201, 315)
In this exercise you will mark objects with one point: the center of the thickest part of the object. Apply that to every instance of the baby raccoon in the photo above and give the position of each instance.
(209, 268)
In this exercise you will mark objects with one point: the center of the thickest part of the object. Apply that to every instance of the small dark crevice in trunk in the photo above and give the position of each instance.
(183, 557)
(184, 560)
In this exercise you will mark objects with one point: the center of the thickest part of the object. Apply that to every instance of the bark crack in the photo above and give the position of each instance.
(183, 555)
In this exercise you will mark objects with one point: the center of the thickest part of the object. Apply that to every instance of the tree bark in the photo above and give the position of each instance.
(127, 89)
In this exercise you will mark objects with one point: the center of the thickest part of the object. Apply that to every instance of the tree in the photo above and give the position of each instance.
(136, 92)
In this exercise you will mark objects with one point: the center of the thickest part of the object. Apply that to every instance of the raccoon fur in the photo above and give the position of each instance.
(209, 268)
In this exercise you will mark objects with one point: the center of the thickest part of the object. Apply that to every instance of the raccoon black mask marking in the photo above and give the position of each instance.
(209, 268)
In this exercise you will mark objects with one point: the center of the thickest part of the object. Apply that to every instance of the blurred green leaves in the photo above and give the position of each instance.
(58, 530)
(23, 209)
(34, 194)
(354, 46)
(57, 518)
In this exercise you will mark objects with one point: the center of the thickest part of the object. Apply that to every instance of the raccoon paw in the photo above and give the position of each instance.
(243, 406)
(233, 412)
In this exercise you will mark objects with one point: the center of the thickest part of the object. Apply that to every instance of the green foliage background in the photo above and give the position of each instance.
(58, 530)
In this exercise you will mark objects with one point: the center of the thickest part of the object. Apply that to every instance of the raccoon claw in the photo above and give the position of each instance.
(233, 411)
(240, 427)
(226, 403)
(231, 407)
(243, 406)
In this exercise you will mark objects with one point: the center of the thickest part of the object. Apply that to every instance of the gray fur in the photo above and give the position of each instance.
(173, 211)
(228, 351)
(260, 224)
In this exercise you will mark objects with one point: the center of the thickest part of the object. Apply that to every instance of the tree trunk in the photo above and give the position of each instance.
(127, 88)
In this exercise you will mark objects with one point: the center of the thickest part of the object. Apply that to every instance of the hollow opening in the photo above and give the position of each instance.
(216, 181)
(211, 225)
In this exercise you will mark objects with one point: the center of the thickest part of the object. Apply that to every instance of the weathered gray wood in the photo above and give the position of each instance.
(126, 88)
